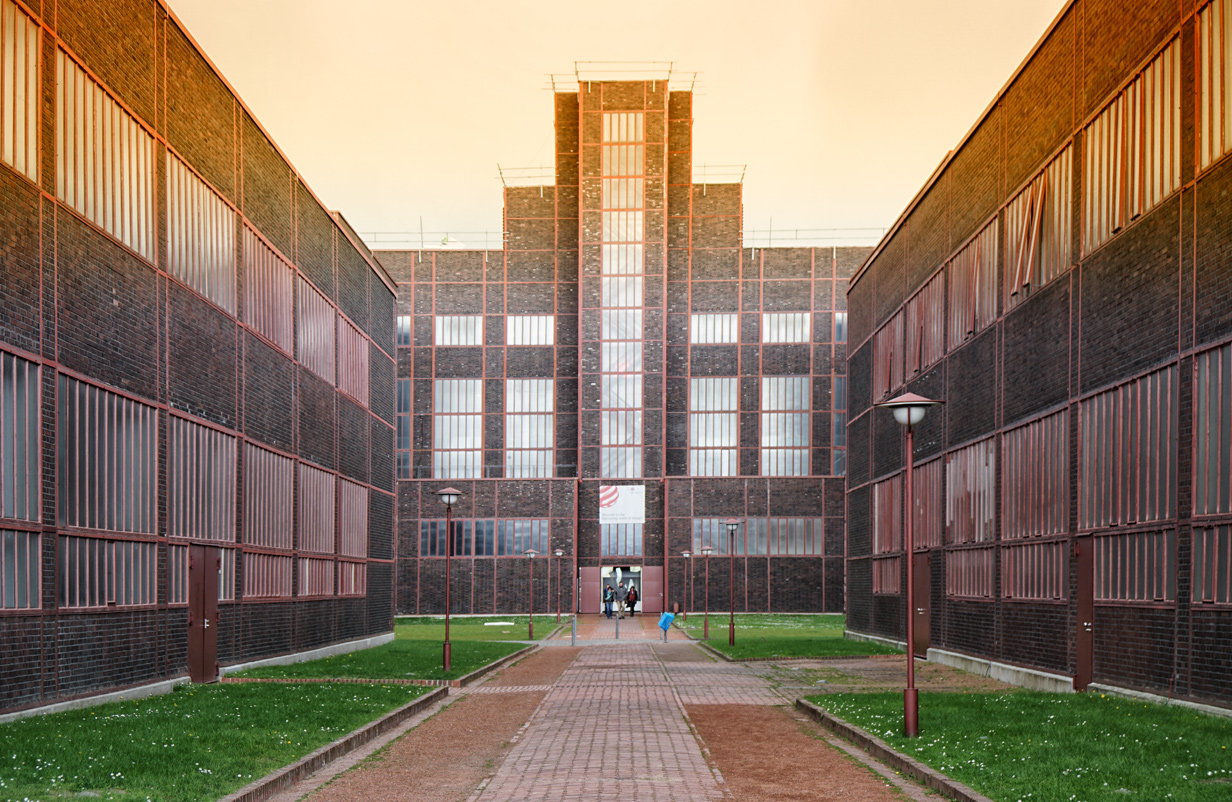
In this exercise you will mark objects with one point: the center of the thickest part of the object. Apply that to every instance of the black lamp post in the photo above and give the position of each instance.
(732, 525)
(449, 496)
(688, 584)
(530, 619)
(706, 615)
(909, 410)
(559, 553)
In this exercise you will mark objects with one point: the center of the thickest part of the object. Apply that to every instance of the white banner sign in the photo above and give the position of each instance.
(622, 504)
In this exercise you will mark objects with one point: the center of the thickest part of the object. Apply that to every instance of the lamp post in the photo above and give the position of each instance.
(706, 615)
(559, 553)
(688, 584)
(732, 525)
(909, 410)
(449, 496)
(530, 618)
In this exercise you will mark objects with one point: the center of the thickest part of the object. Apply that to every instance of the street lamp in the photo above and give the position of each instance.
(449, 497)
(559, 553)
(909, 410)
(530, 619)
(706, 615)
(732, 525)
(688, 584)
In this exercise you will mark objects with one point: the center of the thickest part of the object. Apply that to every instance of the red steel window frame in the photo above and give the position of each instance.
(20, 89)
(1135, 567)
(973, 286)
(1035, 478)
(971, 492)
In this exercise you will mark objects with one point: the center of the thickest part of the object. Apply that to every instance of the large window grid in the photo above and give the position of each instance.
(785, 404)
(316, 509)
(457, 429)
(971, 493)
(887, 575)
(714, 329)
(267, 576)
(21, 560)
(1037, 230)
(458, 330)
(316, 334)
(19, 439)
(352, 361)
(1035, 478)
(486, 537)
(268, 286)
(973, 286)
(968, 573)
(1135, 567)
(352, 578)
(714, 407)
(785, 327)
(268, 499)
(1035, 571)
(759, 537)
(200, 481)
(353, 519)
(200, 235)
(93, 572)
(20, 46)
(620, 540)
(530, 330)
(529, 429)
(316, 577)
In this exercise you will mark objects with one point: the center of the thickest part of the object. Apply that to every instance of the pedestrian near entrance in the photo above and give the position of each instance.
(632, 601)
(608, 597)
(622, 598)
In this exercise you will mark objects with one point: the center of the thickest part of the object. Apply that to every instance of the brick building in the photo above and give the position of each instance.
(1061, 283)
(622, 353)
(196, 371)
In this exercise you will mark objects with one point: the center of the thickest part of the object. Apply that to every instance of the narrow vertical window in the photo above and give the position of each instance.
(19, 439)
(316, 509)
(405, 331)
(404, 443)
(924, 326)
(352, 361)
(784, 425)
(20, 46)
(840, 327)
(1037, 231)
(268, 498)
(316, 334)
(457, 429)
(1212, 436)
(353, 517)
(1212, 565)
(714, 406)
(200, 235)
(21, 561)
(1035, 478)
(267, 292)
(971, 492)
(888, 358)
(529, 433)
(973, 286)
(887, 535)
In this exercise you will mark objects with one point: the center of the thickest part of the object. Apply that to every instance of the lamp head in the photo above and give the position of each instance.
(909, 408)
(531, 553)
(706, 550)
(732, 524)
(686, 555)
(559, 553)
(449, 496)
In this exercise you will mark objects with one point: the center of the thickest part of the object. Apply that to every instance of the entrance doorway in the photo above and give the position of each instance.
(1084, 551)
(204, 563)
(923, 569)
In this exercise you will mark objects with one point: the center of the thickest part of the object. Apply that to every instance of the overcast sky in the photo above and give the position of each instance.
(397, 110)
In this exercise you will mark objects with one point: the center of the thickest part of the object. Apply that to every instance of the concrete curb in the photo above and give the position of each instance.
(896, 760)
(728, 659)
(287, 776)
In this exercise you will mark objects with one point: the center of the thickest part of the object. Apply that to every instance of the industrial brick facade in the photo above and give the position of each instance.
(154, 248)
(1076, 517)
(615, 247)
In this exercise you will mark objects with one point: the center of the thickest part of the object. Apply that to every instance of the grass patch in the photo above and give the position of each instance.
(194, 744)
(1056, 747)
(769, 635)
(403, 658)
(433, 628)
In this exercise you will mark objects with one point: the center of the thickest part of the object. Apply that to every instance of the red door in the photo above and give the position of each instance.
(590, 590)
(652, 589)
(203, 565)
(923, 602)
(1084, 549)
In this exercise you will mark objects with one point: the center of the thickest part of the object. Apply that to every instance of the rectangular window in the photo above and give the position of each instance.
(268, 498)
(888, 515)
(838, 437)
(530, 330)
(840, 327)
(459, 330)
(1212, 438)
(926, 506)
(226, 574)
(352, 579)
(267, 292)
(1136, 566)
(1035, 478)
(888, 358)
(200, 235)
(104, 160)
(267, 576)
(457, 436)
(621, 540)
(485, 538)
(1212, 565)
(352, 362)
(514, 538)
(108, 466)
(971, 492)
(973, 286)
(316, 509)
(316, 577)
(353, 518)
(714, 329)
(21, 560)
(177, 574)
(200, 481)
(1214, 81)
(529, 433)
(404, 442)
(783, 537)
(405, 338)
(785, 327)
(924, 326)
(19, 439)
(784, 426)
(1133, 150)
(968, 573)
(93, 572)
(887, 575)
(20, 46)
(714, 406)
(1037, 231)
(1035, 571)
(711, 533)
(317, 331)
(1127, 453)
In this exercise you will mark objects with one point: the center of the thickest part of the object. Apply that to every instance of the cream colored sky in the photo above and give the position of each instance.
(395, 111)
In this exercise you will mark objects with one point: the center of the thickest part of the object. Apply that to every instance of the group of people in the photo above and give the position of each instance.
(625, 598)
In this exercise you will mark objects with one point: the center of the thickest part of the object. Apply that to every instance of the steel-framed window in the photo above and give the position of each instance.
(887, 575)
(530, 330)
(927, 527)
(1035, 571)
(226, 574)
(404, 421)
(457, 429)
(510, 537)
(1214, 66)
(94, 572)
(20, 448)
(267, 576)
(529, 430)
(353, 519)
(1133, 150)
(352, 361)
(1212, 431)
(888, 515)
(200, 481)
(405, 331)
(1037, 230)
(971, 492)
(269, 496)
(620, 540)
(200, 235)
(457, 330)
(776, 537)
(317, 489)
(1127, 452)
(785, 327)
(714, 407)
(20, 90)
(1035, 478)
(316, 334)
(21, 562)
(714, 328)
(785, 405)
(178, 574)
(1212, 565)
(316, 577)
(838, 435)
(973, 286)
(968, 573)
(840, 327)
(888, 357)
(1135, 566)
(352, 578)
(924, 326)
(269, 283)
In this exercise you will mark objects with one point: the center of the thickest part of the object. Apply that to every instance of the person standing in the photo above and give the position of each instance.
(632, 600)
(608, 596)
(622, 597)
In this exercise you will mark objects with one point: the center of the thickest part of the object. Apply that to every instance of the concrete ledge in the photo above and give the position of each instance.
(1029, 678)
(1143, 696)
(312, 654)
(897, 644)
(896, 760)
(285, 777)
(137, 692)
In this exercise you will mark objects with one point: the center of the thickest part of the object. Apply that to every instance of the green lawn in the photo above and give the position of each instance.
(1056, 747)
(193, 745)
(770, 635)
(433, 628)
(404, 658)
